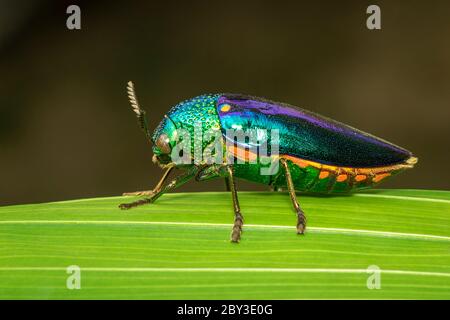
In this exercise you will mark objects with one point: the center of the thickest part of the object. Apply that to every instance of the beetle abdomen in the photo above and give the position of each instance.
(315, 177)
(309, 136)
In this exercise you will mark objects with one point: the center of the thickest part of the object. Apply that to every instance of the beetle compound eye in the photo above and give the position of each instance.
(163, 143)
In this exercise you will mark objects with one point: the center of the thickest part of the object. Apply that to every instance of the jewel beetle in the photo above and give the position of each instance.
(308, 152)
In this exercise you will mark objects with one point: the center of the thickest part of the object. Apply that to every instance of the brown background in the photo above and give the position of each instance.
(66, 130)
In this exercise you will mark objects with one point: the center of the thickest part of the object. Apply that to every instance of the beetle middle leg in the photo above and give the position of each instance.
(214, 171)
(238, 218)
(301, 218)
(175, 183)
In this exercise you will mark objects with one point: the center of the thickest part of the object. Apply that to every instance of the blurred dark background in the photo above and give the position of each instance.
(67, 131)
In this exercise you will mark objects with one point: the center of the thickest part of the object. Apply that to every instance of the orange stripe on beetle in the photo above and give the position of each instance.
(243, 154)
(298, 161)
(380, 177)
(360, 177)
(323, 174)
(341, 178)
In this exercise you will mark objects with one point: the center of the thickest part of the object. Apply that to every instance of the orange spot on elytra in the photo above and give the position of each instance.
(243, 154)
(323, 174)
(360, 177)
(341, 177)
(380, 177)
(225, 108)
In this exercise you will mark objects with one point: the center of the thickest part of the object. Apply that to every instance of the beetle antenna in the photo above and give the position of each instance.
(137, 109)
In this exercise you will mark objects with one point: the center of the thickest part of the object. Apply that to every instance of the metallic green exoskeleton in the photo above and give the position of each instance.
(271, 143)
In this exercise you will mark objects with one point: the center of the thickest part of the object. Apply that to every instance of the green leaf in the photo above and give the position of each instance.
(179, 247)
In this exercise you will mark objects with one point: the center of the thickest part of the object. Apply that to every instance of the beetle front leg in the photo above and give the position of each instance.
(301, 218)
(238, 218)
(175, 183)
(155, 189)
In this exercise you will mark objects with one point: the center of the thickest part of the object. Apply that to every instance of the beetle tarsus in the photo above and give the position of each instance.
(238, 218)
(237, 228)
(126, 206)
(301, 222)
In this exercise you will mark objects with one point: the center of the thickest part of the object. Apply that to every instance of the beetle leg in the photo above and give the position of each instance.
(175, 183)
(301, 218)
(138, 193)
(238, 218)
(155, 189)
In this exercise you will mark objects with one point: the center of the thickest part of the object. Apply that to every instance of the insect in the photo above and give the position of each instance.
(314, 153)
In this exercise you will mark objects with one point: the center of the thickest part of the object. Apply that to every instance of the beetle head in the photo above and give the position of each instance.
(179, 123)
(164, 139)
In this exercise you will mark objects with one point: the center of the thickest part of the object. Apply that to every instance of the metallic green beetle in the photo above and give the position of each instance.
(316, 154)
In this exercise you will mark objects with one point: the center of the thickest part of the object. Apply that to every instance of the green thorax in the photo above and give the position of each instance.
(200, 110)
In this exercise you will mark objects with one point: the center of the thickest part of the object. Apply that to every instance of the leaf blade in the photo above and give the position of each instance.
(192, 231)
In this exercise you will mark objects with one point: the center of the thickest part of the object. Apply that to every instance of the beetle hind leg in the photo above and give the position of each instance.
(301, 218)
